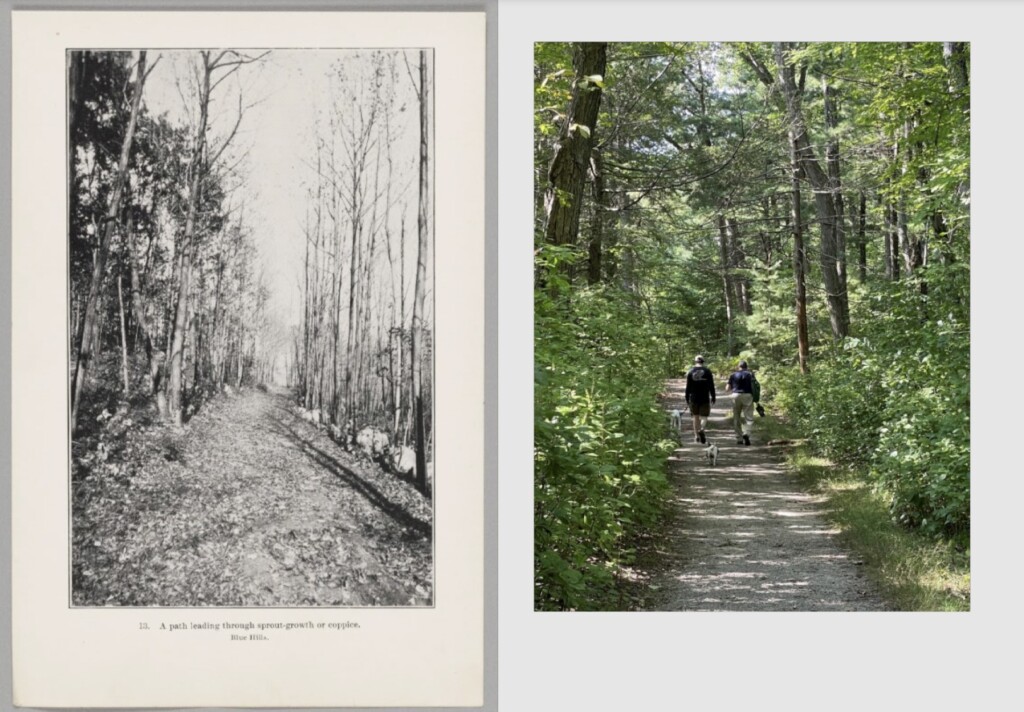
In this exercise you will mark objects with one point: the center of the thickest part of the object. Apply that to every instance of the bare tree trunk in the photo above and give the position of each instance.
(356, 210)
(76, 63)
(738, 259)
(176, 362)
(307, 308)
(955, 54)
(87, 344)
(200, 165)
(890, 239)
(799, 260)
(423, 232)
(154, 356)
(723, 251)
(401, 419)
(597, 229)
(902, 225)
(124, 338)
(862, 239)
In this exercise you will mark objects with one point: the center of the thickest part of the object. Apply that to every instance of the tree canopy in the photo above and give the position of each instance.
(805, 206)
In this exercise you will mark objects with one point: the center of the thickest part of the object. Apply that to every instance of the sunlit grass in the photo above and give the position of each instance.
(913, 572)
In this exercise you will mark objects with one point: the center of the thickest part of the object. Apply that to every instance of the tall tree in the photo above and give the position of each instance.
(89, 337)
(423, 227)
(799, 258)
(568, 170)
(825, 195)
(202, 160)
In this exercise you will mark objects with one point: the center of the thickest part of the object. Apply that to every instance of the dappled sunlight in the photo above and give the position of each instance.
(747, 537)
(845, 351)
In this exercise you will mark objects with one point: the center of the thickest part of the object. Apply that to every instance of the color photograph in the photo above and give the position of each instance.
(751, 322)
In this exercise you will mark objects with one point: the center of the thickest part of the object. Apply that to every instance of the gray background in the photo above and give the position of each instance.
(490, 306)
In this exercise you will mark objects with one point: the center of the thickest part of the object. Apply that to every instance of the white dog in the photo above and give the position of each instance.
(677, 419)
(711, 453)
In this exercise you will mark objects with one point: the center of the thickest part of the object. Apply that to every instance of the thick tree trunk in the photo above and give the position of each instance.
(829, 216)
(836, 187)
(88, 341)
(568, 172)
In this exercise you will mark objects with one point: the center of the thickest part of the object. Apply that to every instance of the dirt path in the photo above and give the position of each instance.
(250, 505)
(745, 537)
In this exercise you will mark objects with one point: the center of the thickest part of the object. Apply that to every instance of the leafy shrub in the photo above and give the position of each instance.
(838, 404)
(896, 400)
(599, 442)
(923, 454)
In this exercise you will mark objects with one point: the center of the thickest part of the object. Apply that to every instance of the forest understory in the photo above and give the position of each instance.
(250, 326)
(247, 504)
(803, 208)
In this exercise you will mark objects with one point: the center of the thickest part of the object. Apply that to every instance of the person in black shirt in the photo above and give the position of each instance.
(741, 383)
(700, 394)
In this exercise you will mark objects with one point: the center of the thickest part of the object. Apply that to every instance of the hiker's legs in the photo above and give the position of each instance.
(743, 414)
(700, 412)
(748, 414)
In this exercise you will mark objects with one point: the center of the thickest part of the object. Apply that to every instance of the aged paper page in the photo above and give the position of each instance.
(423, 650)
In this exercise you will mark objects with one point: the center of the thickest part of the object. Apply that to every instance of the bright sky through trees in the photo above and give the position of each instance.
(286, 98)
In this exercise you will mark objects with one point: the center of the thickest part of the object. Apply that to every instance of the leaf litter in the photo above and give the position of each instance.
(246, 505)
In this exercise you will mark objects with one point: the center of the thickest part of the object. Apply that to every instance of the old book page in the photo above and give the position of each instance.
(300, 522)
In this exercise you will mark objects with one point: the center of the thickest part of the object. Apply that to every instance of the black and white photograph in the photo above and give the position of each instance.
(248, 415)
(250, 327)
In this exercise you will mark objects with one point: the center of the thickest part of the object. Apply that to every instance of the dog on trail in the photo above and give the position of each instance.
(677, 419)
(711, 453)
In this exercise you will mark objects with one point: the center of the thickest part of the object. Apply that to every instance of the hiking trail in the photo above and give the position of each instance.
(249, 505)
(743, 535)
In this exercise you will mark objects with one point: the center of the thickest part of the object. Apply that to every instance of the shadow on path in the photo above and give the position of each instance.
(744, 535)
(373, 495)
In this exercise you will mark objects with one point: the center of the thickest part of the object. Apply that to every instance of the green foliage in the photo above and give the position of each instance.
(694, 203)
(923, 453)
(897, 399)
(600, 442)
(917, 573)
